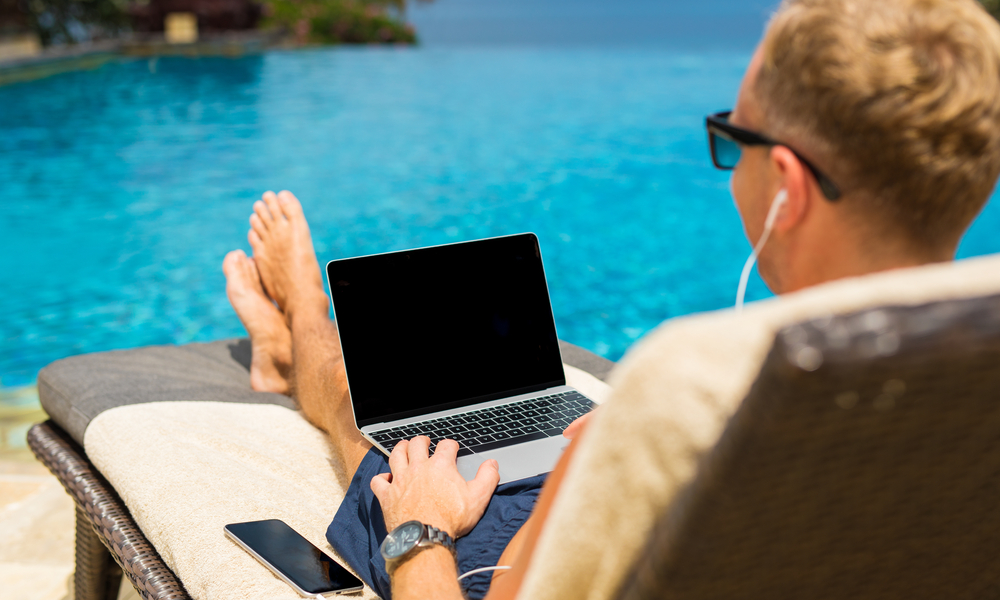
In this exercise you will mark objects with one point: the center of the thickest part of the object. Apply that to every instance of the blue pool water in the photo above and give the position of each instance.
(124, 187)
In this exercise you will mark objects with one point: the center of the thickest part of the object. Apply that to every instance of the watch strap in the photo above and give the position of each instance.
(430, 537)
(433, 535)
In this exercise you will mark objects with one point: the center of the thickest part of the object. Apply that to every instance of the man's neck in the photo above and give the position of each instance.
(815, 261)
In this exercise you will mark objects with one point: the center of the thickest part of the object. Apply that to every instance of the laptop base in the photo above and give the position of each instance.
(519, 461)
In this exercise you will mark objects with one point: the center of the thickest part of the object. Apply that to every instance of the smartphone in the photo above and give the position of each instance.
(293, 558)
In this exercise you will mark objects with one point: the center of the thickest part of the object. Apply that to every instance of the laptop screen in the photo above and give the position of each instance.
(438, 328)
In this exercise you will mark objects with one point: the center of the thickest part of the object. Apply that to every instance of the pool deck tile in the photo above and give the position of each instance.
(37, 529)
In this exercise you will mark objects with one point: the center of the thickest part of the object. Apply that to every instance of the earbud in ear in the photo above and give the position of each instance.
(772, 214)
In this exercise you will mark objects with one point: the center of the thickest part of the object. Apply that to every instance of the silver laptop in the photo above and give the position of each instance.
(457, 342)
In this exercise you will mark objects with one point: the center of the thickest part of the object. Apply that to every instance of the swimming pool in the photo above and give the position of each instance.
(124, 187)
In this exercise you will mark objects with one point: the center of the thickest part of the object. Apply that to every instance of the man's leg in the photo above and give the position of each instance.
(284, 256)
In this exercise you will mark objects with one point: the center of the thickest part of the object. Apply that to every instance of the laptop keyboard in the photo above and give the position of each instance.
(498, 426)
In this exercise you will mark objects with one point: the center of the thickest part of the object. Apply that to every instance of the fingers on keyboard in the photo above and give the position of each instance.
(486, 429)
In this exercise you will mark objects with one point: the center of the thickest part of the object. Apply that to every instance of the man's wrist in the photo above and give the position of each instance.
(427, 518)
(430, 573)
(428, 557)
(406, 540)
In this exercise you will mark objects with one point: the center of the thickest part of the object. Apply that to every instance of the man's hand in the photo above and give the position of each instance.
(429, 489)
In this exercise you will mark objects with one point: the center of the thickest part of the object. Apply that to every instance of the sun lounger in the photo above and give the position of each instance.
(730, 436)
(144, 416)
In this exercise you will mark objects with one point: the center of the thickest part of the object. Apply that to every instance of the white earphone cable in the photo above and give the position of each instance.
(483, 570)
(772, 216)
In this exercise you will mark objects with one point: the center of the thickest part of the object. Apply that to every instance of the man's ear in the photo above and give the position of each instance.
(791, 175)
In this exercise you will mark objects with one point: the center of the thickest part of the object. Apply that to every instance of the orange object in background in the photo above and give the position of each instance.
(19, 46)
(212, 16)
(180, 28)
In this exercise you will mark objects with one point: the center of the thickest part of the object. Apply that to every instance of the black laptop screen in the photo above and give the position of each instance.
(435, 328)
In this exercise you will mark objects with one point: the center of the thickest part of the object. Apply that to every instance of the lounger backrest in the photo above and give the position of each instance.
(863, 464)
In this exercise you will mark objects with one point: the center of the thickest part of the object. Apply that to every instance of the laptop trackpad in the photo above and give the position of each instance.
(518, 462)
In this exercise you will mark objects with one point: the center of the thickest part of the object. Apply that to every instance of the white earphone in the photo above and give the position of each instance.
(772, 215)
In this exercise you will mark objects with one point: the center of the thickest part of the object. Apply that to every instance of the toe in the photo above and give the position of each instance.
(273, 207)
(255, 242)
(231, 261)
(263, 212)
(290, 205)
(257, 225)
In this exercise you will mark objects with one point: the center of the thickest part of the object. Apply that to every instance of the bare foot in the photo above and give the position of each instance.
(283, 251)
(270, 339)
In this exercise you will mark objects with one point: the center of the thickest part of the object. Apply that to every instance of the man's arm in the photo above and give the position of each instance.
(429, 574)
(430, 489)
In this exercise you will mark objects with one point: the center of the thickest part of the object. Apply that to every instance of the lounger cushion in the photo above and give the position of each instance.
(77, 389)
(187, 468)
(672, 397)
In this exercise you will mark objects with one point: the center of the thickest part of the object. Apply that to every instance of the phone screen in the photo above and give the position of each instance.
(284, 550)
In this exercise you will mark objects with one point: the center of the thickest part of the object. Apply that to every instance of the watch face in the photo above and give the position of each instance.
(402, 539)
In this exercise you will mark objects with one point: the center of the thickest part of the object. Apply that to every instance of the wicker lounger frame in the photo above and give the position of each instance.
(107, 537)
(868, 474)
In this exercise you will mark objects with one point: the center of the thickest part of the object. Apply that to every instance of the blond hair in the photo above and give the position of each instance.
(898, 101)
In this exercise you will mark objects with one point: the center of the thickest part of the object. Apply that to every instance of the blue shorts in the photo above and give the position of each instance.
(358, 528)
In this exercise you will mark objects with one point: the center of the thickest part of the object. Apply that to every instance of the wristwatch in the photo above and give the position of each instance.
(406, 541)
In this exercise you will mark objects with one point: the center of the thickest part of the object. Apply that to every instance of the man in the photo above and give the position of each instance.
(866, 137)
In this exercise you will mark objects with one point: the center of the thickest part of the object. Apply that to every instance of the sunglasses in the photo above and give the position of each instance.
(725, 141)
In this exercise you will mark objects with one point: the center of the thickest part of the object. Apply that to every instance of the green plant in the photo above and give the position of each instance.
(341, 21)
(70, 21)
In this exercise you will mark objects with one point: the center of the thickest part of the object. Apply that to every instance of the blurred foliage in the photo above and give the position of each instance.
(992, 6)
(341, 21)
(309, 21)
(70, 21)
